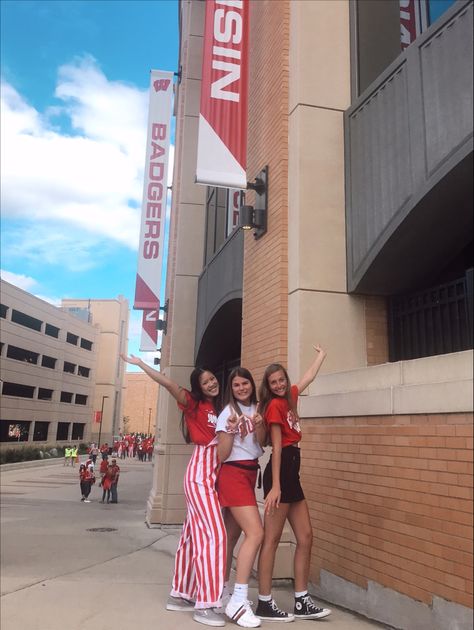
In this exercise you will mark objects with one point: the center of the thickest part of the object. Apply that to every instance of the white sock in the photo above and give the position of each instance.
(240, 593)
(300, 593)
(265, 598)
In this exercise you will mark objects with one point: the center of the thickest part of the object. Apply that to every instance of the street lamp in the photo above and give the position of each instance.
(101, 415)
(149, 418)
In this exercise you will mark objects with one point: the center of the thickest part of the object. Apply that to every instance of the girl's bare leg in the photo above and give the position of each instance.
(248, 519)
(273, 527)
(298, 517)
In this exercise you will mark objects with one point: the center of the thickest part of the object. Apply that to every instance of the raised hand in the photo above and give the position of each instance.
(232, 425)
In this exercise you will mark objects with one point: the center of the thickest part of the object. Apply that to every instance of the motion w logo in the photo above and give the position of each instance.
(161, 84)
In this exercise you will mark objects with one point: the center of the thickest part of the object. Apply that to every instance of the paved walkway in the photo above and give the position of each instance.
(75, 566)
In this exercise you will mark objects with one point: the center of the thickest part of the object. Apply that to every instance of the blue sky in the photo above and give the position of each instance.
(74, 101)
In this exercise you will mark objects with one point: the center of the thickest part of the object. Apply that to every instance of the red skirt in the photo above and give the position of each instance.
(236, 483)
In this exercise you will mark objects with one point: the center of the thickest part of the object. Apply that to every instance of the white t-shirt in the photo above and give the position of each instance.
(246, 447)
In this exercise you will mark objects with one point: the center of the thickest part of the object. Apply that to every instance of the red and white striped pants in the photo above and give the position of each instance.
(201, 555)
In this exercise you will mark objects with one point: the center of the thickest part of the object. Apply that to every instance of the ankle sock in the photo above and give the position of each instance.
(265, 598)
(240, 593)
(300, 593)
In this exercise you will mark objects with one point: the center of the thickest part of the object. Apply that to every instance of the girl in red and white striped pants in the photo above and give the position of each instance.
(201, 555)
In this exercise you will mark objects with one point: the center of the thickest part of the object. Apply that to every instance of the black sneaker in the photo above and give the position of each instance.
(269, 611)
(306, 609)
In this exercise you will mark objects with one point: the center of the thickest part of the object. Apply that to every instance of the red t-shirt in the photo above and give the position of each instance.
(279, 412)
(201, 418)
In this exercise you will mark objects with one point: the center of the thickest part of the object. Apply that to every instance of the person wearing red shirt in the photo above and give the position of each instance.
(201, 555)
(284, 496)
(86, 479)
(113, 473)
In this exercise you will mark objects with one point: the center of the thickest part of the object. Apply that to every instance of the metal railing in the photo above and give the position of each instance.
(435, 321)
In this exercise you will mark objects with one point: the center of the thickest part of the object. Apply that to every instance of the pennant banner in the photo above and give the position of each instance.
(222, 140)
(152, 229)
(149, 336)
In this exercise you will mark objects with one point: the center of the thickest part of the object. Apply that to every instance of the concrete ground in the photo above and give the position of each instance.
(75, 566)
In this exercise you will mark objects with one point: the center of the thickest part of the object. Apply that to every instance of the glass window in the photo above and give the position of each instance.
(62, 432)
(48, 362)
(436, 8)
(66, 397)
(3, 311)
(40, 431)
(77, 431)
(20, 354)
(86, 344)
(83, 371)
(52, 331)
(81, 399)
(26, 320)
(45, 394)
(16, 389)
(70, 368)
(71, 338)
(14, 431)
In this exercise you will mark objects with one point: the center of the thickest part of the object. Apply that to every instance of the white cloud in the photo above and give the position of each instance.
(91, 181)
(22, 282)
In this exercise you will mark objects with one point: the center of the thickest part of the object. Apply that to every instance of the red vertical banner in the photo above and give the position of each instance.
(413, 20)
(222, 140)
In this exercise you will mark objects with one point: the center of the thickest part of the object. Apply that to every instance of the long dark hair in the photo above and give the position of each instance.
(196, 394)
(229, 395)
(265, 394)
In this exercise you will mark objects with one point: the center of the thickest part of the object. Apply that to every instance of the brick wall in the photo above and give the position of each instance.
(141, 396)
(390, 499)
(265, 282)
(376, 330)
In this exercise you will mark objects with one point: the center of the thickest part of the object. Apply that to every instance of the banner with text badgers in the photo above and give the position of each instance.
(222, 140)
(152, 228)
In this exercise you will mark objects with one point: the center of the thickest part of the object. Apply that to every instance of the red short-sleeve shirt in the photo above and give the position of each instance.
(201, 418)
(279, 412)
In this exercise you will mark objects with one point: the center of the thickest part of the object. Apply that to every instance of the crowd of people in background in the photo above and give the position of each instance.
(132, 445)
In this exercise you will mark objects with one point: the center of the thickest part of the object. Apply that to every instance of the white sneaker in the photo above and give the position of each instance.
(208, 617)
(242, 614)
(86, 501)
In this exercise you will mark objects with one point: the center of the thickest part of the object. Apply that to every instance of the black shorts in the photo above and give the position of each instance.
(291, 490)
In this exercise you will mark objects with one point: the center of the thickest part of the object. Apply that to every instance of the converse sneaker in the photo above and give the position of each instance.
(208, 617)
(179, 603)
(306, 609)
(242, 614)
(269, 611)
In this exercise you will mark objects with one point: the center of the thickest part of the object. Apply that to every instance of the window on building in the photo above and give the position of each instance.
(86, 344)
(216, 220)
(384, 29)
(3, 311)
(17, 389)
(26, 320)
(83, 371)
(48, 362)
(62, 432)
(13, 431)
(66, 397)
(52, 331)
(45, 394)
(81, 399)
(77, 431)
(40, 431)
(70, 368)
(72, 339)
(20, 354)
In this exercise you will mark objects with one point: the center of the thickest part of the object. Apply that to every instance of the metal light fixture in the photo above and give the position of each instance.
(162, 324)
(251, 217)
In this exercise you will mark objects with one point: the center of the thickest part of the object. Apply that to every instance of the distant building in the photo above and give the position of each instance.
(58, 365)
(140, 400)
(111, 316)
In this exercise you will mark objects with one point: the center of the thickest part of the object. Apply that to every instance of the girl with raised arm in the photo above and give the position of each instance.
(201, 555)
(284, 497)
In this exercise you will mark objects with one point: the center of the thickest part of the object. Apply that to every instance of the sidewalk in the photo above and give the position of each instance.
(58, 572)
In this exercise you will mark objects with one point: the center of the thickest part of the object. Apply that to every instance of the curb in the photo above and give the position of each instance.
(34, 463)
